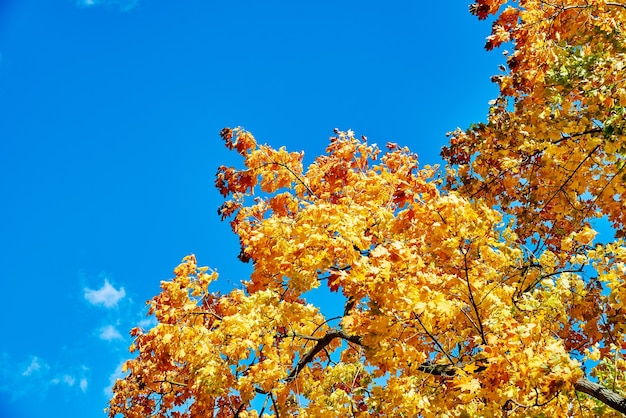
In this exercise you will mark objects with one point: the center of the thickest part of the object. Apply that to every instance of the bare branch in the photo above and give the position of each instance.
(432, 337)
(602, 394)
(321, 344)
(471, 298)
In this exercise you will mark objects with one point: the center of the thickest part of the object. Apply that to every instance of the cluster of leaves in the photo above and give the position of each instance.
(552, 151)
(476, 291)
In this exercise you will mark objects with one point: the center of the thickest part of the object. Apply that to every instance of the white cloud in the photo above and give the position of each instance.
(109, 333)
(35, 365)
(83, 384)
(123, 5)
(148, 323)
(107, 295)
(33, 377)
(69, 380)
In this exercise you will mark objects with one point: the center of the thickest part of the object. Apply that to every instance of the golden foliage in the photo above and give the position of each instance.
(552, 151)
(479, 293)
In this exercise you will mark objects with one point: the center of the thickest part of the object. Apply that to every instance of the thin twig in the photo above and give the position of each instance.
(321, 344)
(471, 298)
(432, 337)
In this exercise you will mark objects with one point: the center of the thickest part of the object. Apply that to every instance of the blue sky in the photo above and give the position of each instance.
(109, 120)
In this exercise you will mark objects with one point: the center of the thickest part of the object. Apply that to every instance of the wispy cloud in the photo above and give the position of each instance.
(65, 379)
(34, 377)
(110, 333)
(148, 323)
(83, 384)
(35, 365)
(123, 5)
(73, 377)
(107, 295)
(69, 380)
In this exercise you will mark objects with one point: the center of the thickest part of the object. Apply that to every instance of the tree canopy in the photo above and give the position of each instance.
(476, 289)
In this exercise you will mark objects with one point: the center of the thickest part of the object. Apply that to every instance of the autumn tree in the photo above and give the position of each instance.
(473, 290)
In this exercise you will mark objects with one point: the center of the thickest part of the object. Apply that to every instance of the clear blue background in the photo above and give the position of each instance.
(109, 120)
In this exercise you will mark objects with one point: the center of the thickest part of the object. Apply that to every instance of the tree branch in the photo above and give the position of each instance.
(602, 394)
(432, 337)
(321, 344)
(471, 297)
(562, 186)
(447, 370)
(274, 405)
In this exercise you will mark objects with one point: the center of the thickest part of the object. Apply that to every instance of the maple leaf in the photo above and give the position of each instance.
(471, 385)
(334, 280)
